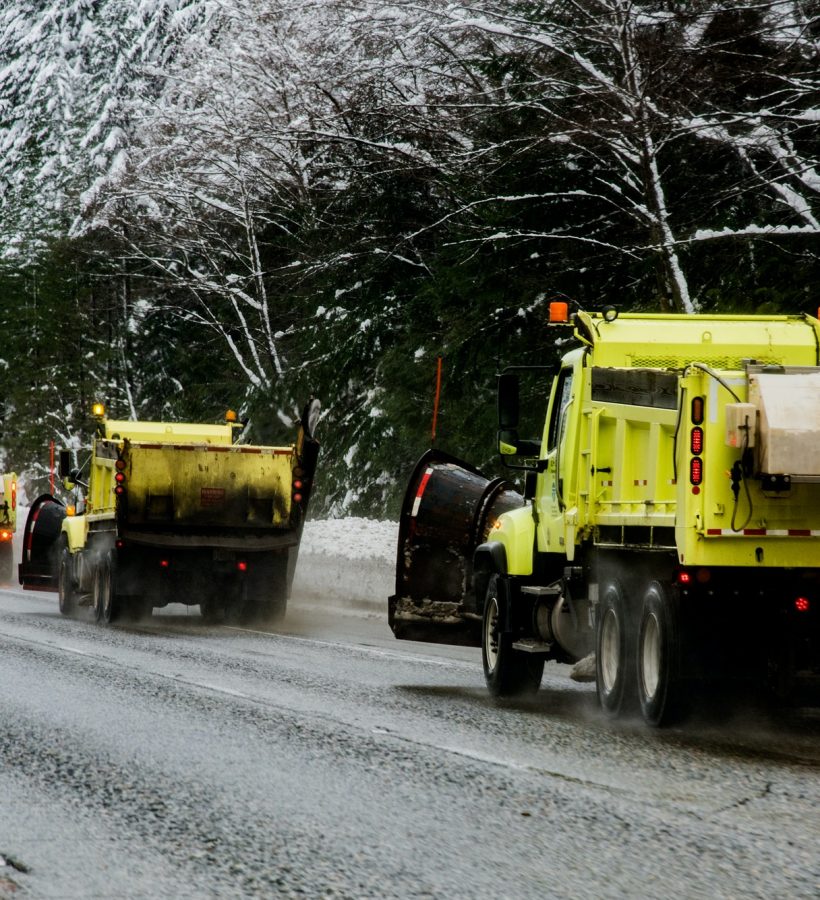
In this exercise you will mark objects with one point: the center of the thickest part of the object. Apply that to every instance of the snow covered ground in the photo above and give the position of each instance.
(347, 562)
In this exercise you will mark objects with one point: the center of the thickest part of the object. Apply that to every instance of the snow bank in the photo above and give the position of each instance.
(347, 562)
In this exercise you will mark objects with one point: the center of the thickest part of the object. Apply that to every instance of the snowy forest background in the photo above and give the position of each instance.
(238, 203)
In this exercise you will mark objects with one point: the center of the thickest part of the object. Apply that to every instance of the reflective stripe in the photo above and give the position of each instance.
(422, 485)
(763, 532)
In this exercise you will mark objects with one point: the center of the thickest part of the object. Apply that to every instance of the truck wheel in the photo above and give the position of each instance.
(6, 563)
(614, 656)
(136, 608)
(508, 672)
(268, 593)
(66, 593)
(658, 657)
(106, 605)
(212, 611)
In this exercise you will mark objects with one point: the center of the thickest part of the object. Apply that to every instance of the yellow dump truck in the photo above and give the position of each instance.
(167, 512)
(669, 521)
(8, 525)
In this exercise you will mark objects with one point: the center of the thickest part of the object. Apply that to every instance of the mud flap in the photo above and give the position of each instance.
(38, 568)
(447, 512)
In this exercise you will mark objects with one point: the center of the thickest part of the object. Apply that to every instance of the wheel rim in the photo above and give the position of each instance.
(610, 649)
(651, 656)
(491, 634)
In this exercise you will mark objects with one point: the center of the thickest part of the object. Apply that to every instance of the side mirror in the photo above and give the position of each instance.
(65, 463)
(508, 404)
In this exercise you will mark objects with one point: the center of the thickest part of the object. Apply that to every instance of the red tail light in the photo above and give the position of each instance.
(164, 564)
(696, 470)
(801, 604)
(297, 498)
(242, 566)
(684, 578)
(119, 478)
(696, 441)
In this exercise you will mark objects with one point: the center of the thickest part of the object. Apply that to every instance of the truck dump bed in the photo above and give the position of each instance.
(207, 489)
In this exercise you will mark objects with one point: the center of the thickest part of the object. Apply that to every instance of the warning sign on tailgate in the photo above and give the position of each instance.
(211, 496)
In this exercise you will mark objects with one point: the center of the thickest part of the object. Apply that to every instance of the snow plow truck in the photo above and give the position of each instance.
(8, 525)
(669, 521)
(174, 512)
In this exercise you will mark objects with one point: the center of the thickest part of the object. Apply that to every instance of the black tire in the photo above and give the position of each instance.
(508, 672)
(66, 591)
(135, 608)
(615, 653)
(212, 611)
(106, 604)
(660, 683)
(268, 593)
(6, 563)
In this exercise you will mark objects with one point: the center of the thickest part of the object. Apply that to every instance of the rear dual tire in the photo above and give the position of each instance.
(638, 657)
(660, 682)
(106, 604)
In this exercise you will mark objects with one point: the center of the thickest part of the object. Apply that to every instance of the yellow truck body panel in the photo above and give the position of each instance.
(619, 473)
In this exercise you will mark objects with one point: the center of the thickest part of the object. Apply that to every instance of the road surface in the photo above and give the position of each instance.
(329, 760)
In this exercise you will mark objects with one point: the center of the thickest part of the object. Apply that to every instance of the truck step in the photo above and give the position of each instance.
(541, 590)
(530, 645)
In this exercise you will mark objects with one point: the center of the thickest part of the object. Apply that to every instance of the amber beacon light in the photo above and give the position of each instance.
(559, 312)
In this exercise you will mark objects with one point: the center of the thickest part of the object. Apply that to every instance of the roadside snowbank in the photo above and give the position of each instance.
(347, 562)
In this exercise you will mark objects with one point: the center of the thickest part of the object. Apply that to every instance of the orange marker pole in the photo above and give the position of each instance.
(435, 402)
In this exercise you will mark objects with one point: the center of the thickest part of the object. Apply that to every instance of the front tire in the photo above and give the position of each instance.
(658, 658)
(6, 563)
(66, 592)
(508, 672)
(614, 653)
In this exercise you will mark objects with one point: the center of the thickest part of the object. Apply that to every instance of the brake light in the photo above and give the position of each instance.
(801, 604)
(297, 498)
(164, 564)
(684, 578)
(696, 441)
(242, 566)
(696, 470)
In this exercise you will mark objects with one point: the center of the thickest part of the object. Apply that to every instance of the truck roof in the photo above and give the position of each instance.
(167, 432)
(723, 342)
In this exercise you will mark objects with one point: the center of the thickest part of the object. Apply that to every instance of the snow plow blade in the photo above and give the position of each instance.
(38, 569)
(447, 512)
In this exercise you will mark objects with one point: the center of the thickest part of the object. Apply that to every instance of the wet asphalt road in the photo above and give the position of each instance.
(329, 760)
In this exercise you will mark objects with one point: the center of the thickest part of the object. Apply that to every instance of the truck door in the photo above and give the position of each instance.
(550, 494)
